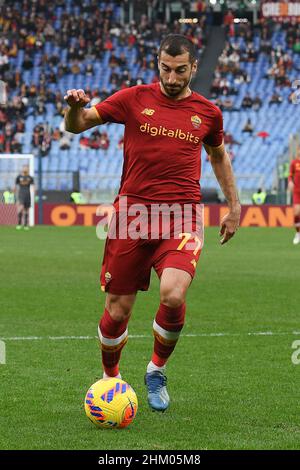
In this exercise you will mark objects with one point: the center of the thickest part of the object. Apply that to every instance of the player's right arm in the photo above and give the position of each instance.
(77, 118)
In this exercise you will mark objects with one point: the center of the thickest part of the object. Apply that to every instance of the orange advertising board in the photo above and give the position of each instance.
(66, 215)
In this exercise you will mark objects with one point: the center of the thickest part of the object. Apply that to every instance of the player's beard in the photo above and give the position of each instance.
(175, 90)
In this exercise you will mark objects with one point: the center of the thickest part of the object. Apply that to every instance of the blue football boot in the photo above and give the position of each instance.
(158, 397)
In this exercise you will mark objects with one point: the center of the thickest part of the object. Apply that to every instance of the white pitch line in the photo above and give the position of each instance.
(188, 335)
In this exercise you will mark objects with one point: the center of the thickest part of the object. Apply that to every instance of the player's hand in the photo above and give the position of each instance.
(230, 224)
(291, 186)
(76, 98)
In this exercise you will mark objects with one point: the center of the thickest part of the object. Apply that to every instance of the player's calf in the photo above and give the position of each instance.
(113, 336)
(167, 326)
(113, 333)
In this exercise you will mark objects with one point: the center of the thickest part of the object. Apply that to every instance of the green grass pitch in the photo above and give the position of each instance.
(235, 390)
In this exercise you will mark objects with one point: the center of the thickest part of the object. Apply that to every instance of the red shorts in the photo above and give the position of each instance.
(296, 197)
(127, 263)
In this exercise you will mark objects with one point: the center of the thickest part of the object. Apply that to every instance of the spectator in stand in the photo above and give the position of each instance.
(265, 45)
(20, 126)
(89, 70)
(40, 107)
(27, 62)
(7, 138)
(275, 99)
(108, 45)
(56, 134)
(287, 61)
(248, 127)
(2, 142)
(251, 53)
(18, 136)
(234, 60)
(4, 60)
(228, 23)
(122, 60)
(41, 139)
(16, 108)
(16, 144)
(94, 140)
(224, 61)
(257, 102)
(224, 86)
(104, 141)
(113, 61)
(75, 68)
(239, 77)
(3, 117)
(281, 79)
(272, 71)
(84, 142)
(228, 104)
(296, 46)
(247, 101)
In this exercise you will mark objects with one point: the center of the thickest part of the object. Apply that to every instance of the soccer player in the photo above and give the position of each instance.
(23, 182)
(165, 125)
(294, 187)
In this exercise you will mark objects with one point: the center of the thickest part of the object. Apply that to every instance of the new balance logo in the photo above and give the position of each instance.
(148, 111)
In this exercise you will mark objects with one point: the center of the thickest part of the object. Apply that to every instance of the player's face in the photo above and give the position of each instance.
(25, 170)
(175, 73)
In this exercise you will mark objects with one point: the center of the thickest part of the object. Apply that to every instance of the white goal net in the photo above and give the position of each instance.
(10, 167)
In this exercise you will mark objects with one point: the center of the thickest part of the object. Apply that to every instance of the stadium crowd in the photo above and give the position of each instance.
(280, 60)
(245, 44)
(86, 32)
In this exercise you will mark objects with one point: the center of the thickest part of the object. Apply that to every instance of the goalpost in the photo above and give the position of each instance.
(10, 167)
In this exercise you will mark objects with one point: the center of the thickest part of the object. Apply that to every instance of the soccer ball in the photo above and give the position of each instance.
(111, 403)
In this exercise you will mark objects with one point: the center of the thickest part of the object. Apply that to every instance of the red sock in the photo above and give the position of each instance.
(167, 326)
(297, 222)
(113, 336)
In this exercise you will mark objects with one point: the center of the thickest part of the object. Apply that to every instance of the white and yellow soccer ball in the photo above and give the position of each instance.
(111, 403)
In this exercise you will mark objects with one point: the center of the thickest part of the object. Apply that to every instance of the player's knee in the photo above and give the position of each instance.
(173, 297)
(118, 307)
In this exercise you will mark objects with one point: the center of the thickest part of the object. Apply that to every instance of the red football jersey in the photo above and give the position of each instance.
(295, 173)
(162, 141)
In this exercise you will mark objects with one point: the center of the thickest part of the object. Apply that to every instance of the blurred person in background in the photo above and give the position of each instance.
(22, 191)
(294, 188)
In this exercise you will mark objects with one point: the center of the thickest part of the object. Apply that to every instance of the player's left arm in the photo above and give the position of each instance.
(16, 187)
(222, 168)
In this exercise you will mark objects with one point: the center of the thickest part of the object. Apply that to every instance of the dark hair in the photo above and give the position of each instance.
(176, 44)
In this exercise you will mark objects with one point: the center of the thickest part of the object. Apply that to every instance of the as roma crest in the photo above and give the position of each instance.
(196, 121)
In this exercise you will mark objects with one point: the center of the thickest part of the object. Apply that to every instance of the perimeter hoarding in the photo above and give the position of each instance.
(66, 215)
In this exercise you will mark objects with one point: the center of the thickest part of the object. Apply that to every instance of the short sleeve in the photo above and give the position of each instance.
(215, 136)
(31, 180)
(18, 179)
(116, 108)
